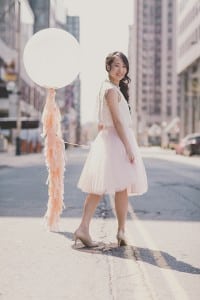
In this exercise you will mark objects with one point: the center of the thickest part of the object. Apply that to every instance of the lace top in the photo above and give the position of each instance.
(104, 114)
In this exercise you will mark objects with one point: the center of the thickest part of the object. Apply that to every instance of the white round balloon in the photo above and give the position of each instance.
(52, 58)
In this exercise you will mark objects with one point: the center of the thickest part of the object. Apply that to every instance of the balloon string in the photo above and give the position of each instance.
(74, 144)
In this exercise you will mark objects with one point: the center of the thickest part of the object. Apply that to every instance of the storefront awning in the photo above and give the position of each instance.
(11, 123)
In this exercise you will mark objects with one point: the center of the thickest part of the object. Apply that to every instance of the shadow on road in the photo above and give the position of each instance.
(157, 258)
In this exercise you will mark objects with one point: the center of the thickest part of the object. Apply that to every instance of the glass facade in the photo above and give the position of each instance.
(189, 65)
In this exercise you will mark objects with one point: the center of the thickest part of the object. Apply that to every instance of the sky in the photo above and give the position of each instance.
(104, 28)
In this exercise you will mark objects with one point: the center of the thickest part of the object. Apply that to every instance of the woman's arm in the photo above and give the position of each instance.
(112, 98)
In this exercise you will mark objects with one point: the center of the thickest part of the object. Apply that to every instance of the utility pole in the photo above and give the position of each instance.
(18, 40)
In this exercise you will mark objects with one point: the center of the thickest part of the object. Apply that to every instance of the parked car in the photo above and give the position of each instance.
(189, 145)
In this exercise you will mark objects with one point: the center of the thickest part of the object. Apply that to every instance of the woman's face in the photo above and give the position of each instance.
(117, 69)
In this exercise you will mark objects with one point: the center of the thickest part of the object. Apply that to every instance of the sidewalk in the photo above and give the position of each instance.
(170, 155)
(10, 159)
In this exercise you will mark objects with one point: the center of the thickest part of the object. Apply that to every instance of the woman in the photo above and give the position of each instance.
(114, 165)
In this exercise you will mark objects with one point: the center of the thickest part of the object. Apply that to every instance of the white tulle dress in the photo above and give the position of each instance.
(107, 168)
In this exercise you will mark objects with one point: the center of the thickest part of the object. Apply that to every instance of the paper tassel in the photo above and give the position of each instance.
(54, 151)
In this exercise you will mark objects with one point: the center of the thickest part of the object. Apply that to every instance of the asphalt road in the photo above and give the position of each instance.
(161, 261)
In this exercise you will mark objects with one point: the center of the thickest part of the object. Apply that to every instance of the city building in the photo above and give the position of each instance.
(48, 13)
(132, 68)
(152, 53)
(188, 67)
(41, 11)
(20, 99)
(72, 91)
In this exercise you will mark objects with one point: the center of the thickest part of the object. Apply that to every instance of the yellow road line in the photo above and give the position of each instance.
(176, 289)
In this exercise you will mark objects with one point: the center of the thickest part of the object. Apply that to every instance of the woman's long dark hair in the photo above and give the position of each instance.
(123, 84)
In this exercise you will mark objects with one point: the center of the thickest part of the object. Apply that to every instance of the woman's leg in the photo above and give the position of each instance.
(121, 208)
(90, 205)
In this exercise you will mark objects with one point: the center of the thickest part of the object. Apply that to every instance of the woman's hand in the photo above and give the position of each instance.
(130, 154)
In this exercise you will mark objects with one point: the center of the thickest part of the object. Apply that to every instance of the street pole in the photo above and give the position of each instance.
(18, 35)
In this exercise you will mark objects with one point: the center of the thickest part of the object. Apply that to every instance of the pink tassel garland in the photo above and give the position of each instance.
(54, 151)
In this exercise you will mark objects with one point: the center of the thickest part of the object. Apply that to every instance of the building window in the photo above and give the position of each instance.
(157, 110)
(169, 81)
(169, 43)
(169, 18)
(170, 29)
(169, 74)
(178, 110)
(169, 110)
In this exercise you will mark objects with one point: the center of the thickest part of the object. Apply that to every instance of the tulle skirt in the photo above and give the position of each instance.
(107, 168)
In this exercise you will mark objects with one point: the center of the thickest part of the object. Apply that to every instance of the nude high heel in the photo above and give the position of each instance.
(86, 240)
(121, 239)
